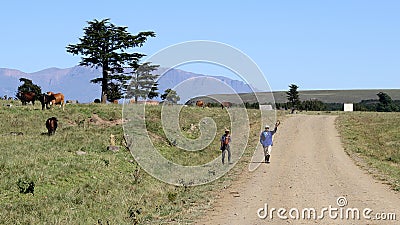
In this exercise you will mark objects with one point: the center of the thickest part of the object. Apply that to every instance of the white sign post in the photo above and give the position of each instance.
(348, 107)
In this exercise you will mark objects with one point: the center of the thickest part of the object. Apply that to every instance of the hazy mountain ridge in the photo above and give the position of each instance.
(169, 78)
(75, 82)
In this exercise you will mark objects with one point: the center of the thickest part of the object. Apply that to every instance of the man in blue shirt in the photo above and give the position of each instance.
(266, 140)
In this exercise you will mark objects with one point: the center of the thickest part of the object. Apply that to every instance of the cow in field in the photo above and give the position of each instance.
(72, 102)
(57, 99)
(46, 99)
(26, 97)
(51, 125)
(200, 103)
(226, 105)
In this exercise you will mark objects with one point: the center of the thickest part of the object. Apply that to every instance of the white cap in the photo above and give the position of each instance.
(266, 126)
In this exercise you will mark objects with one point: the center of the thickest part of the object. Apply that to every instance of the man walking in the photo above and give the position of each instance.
(225, 140)
(266, 140)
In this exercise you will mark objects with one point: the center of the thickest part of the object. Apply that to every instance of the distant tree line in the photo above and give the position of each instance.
(383, 104)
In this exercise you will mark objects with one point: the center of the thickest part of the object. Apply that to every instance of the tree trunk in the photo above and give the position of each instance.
(104, 84)
(103, 98)
(136, 90)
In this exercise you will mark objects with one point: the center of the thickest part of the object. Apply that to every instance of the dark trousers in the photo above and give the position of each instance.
(228, 149)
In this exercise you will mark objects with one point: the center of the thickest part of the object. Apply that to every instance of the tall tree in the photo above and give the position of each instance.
(170, 96)
(153, 92)
(386, 103)
(29, 86)
(114, 92)
(143, 83)
(106, 45)
(293, 96)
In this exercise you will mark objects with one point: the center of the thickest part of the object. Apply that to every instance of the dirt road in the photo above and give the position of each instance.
(309, 170)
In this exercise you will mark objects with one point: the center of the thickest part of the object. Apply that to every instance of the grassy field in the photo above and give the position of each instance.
(373, 140)
(43, 179)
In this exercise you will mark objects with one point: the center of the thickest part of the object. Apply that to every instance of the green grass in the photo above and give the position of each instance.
(375, 138)
(101, 186)
(189, 118)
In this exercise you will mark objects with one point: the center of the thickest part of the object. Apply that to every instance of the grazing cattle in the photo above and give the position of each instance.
(46, 99)
(152, 102)
(51, 125)
(226, 105)
(72, 102)
(58, 99)
(149, 102)
(200, 103)
(26, 97)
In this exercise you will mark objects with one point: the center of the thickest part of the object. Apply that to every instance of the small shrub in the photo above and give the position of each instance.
(106, 162)
(133, 214)
(26, 186)
(136, 175)
(172, 196)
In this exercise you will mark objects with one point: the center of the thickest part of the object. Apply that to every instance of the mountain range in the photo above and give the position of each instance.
(75, 83)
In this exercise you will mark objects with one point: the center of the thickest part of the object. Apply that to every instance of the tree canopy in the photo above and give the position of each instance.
(143, 83)
(386, 103)
(107, 46)
(29, 86)
(170, 96)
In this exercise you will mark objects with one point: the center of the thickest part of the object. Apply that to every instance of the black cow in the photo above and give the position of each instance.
(46, 99)
(51, 125)
(26, 97)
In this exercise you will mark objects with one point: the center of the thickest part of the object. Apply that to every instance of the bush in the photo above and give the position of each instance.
(26, 186)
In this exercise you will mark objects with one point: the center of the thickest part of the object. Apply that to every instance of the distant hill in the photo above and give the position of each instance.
(340, 96)
(326, 96)
(171, 78)
(75, 82)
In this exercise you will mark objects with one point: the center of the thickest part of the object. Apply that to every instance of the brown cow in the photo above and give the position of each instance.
(200, 103)
(51, 125)
(58, 99)
(26, 97)
(226, 105)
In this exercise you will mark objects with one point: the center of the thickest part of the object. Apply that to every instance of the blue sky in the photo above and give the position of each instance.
(324, 44)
